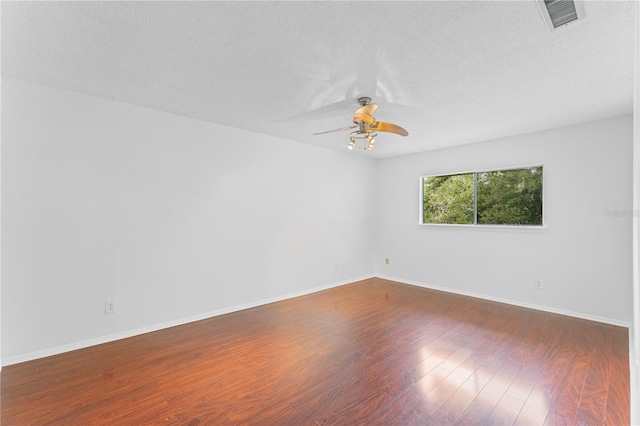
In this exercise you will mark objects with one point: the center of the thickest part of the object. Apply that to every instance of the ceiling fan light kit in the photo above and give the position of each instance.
(369, 137)
(367, 125)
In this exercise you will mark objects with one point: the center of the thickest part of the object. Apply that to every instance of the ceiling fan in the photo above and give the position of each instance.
(367, 125)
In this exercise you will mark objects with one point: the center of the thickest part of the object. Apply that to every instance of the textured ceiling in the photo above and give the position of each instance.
(449, 72)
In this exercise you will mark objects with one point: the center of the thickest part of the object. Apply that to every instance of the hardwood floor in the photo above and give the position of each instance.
(372, 352)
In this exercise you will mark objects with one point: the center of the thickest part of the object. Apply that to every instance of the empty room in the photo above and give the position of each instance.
(320, 212)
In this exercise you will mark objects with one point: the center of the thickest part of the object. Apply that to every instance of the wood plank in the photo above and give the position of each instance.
(618, 398)
(371, 352)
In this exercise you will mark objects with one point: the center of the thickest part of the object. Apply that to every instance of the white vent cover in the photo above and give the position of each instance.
(557, 13)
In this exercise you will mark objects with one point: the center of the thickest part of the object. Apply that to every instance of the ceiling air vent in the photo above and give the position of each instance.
(557, 13)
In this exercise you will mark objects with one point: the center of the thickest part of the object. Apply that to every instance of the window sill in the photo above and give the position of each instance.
(540, 229)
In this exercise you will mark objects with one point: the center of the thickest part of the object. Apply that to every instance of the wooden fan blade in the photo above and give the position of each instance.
(365, 114)
(341, 129)
(388, 127)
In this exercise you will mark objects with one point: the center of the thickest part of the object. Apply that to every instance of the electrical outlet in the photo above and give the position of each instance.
(110, 306)
(537, 284)
(386, 260)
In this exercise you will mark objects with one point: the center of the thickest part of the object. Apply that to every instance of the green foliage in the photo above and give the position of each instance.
(511, 197)
(448, 199)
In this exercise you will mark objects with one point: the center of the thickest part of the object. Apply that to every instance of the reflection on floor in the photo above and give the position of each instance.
(372, 352)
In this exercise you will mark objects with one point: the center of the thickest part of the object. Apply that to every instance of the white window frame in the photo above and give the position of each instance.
(475, 225)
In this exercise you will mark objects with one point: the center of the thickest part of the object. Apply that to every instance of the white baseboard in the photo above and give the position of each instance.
(155, 327)
(168, 324)
(511, 302)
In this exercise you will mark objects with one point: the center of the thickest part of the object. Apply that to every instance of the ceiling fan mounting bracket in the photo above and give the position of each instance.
(364, 100)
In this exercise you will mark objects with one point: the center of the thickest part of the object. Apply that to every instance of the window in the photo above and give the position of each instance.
(500, 197)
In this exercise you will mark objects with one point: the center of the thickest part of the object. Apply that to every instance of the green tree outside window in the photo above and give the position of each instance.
(502, 197)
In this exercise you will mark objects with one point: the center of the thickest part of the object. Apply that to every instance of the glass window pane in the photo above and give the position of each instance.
(510, 197)
(448, 199)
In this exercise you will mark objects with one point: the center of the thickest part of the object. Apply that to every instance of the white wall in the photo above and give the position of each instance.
(0, 229)
(178, 219)
(635, 331)
(174, 218)
(582, 256)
